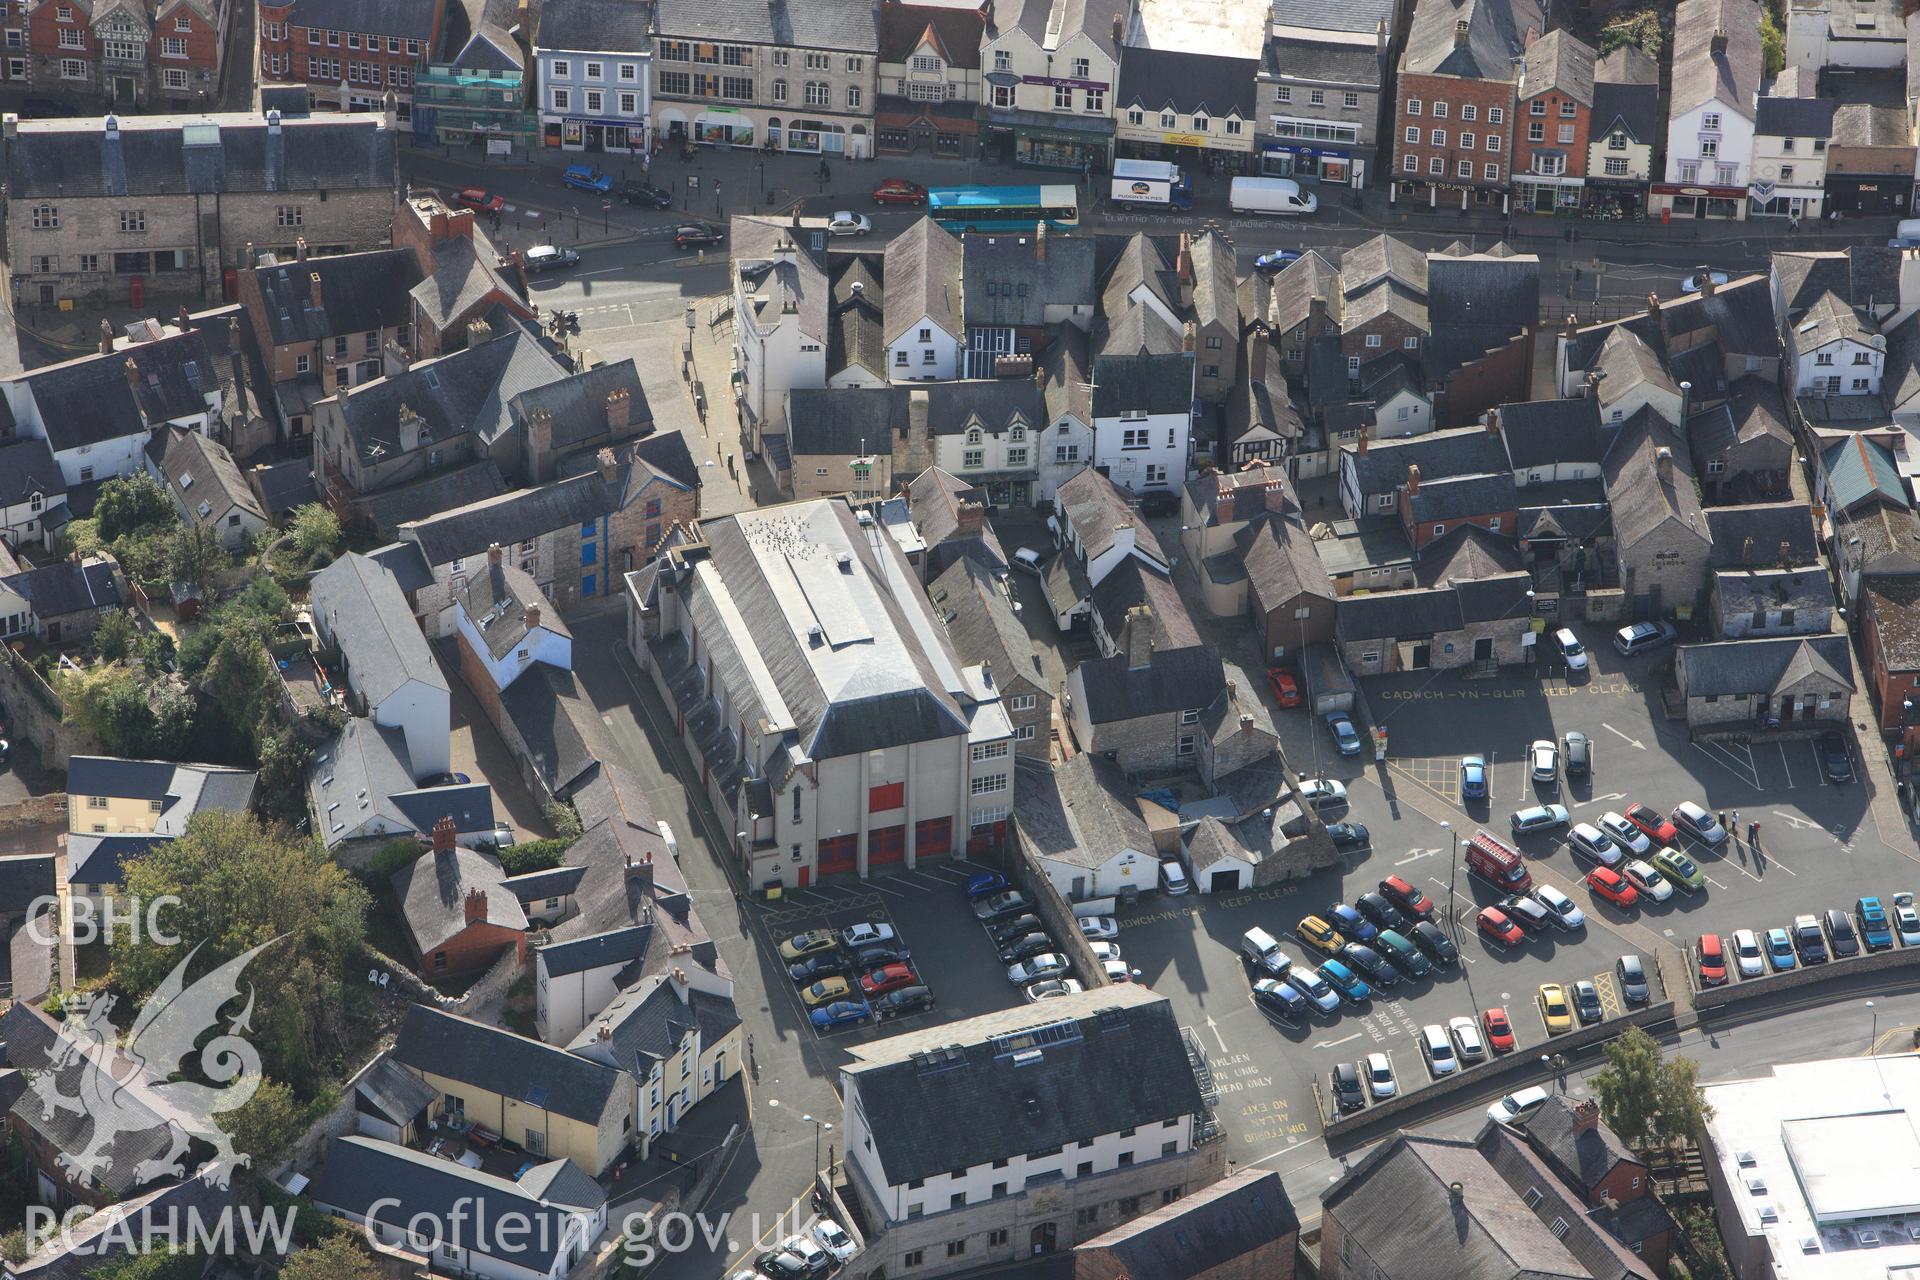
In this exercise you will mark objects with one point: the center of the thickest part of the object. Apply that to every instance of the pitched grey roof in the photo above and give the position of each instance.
(981, 623)
(797, 283)
(1010, 277)
(1641, 500)
(456, 486)
(1069, 386)
(595, 26)
(467, 390)
(1131, 584)
(553, 717)
(27, 467)
(1541, 433)
(1386, 615)
(85, 401)
(462, 278)
(1093, 19)
(923, 279)
(354, 776)
(1582, 1156)
(650, 1022)
(67, 586)
(955, 31)
(407, 19)
(394, 1093)
(1282, 566)
(578, 402)
(1189, 83)
(1095, 506)
(1626, 64)
(1900, 380)
(1828, 320)
(1559, 62)
(1496, 32)
(1768, 525)
(470, 805)
(209, 472)
(856, 334)
(822, 24)
(1626, 363)
(1733, 667)
(595, 951)
(1457, 497)
(1183, 679)
(1324, 63)
(1438, 454)
(511, 517)
(1740, 314)
(496, 600)
(282, 486)
(1483, 300)
(360, 606)
(1794, 117)
(1634, 107)
(23, 878)
(1360, 16)
(1730, 77)
(1207, 1229)
(1860, 124)
(359, 292)
(432, 891)
(1081, 811)
(1115, 1063)
(178, 155)
(97, 859)
(1381, 258)
(135, 1134)
(1214, 300)
(404, 561)
(498, 1061)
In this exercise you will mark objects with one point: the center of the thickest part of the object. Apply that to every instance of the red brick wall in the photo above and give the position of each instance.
(1576, 151)
(203, 46)
(475, 947)
(304, 42)
(1485, 97)
(43, 36)
(1502, 377)
(1391, 330)
(1419, 535)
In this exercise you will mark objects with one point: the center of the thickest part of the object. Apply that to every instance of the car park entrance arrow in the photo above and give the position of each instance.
(1635, 743)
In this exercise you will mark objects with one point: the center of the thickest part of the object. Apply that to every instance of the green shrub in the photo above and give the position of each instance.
(535, 855)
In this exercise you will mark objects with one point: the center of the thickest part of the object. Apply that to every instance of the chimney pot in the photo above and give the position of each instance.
(1413, 479)
(299, 248)
(106, 336)
(1462, 31)
(1361, 447)
(1586, 1115)
(313, 288)
(493, 554)
(608, 464)
(1493, 422)
(443, 835)
(533, 617)
(132, 371)
(1663, 462)
(1257, 355)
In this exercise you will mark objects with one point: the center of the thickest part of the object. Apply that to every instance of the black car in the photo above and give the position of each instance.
(830, 964)
(1160, 502)
(1527, 912)
(1348, 835)
(1808, 940)
(695, 235)
(1840, 934)
(1279, 999)
(1370, 964)
(1427, 936)
(1348, 1094)
(1631, 976)
(1578, 755)
(633, 191)
(1835, 759)
(880, 953)
(1027, 944)
(1006, 931)
(780, 1265)
(898, 1004)
(1380, 911)
(447, 780)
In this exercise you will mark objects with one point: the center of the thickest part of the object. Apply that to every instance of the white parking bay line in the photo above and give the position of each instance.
(875, 884)
(1783, 762)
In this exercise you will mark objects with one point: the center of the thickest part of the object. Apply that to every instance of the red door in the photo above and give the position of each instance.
(888, 844)
(837, 855)
(933, 839)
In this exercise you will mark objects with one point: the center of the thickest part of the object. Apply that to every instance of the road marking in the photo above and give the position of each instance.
(1731, 763)
(1415, 856)
(1715, 883)
(1783, 762)
(1217, 1038)
(1635, 743)
(1334, 1044)
(1611, 795)
(875, 884)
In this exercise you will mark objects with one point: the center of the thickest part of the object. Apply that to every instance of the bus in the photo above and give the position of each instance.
(1004, 208)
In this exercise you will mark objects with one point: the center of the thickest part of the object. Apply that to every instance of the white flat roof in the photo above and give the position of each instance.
(1840, 1182)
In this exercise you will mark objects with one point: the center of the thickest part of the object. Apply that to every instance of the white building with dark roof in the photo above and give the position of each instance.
(866, 741)
(1711, 110)
(360, 610)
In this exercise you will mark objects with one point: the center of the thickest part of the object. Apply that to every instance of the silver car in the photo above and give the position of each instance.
(1545, 759)
(1539, 817)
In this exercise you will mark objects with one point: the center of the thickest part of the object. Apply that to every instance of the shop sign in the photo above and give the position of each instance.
(1060, 82)
(1183, 139)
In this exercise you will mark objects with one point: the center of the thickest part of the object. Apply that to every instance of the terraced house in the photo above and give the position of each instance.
(130, 54)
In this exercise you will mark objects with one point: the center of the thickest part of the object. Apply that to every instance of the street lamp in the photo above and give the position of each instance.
(1453, 874)
(819, 1127)
(1873, 1036)
(1306, 687)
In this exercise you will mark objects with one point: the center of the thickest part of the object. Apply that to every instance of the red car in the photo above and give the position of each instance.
(1285, 691)
(889, 977)
(1612, 886)
(1406, 897)
(1499, 1030)
(1495, 926)
(1654, 823)
(899, 191)
(1713, 961)
(475, 198)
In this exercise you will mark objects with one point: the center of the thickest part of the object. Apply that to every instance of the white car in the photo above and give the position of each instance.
(865, 934)
(1565, 911)
(1320, 792)
(1538, 817)
(1906, 920)
(803, 1247)
(848, 223)
(1437, 1047)
(1544, 756)
(1698, 823)
(1650, 883)
(1099, 927)
(834, 1239)
(1051, 987)
(1590, 841)
(1746, 953)
(1378, 1069)
(1518, 1105)
(1117, 971)
(1048, 964)
(1466, 1037)
(1104, 951)
(1625, 833)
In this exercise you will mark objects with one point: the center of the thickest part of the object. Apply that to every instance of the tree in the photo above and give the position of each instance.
(129, 503)
(1708, 1251)
(314, 530)
(337, 1256)
(195, 556)
(1645, 1098)
(564, 820)
(113, 639)
(240, 884)
(281, 793)
(268, 1125)
(238, 685)
(1773, 45)
(107, 700)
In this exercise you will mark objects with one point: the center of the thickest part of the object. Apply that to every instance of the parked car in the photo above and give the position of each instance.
(781, 1264)
(697, 235)
(1697, 281)
(1348, 835)
(1650, 883)
(1322, 792)
(1348, 1092)
(1279, 998)
(802, 945)
(1319, 992)
(1586, 1002)
(645, 194)
(1467, 1039)
(1351, 986)
(1696, 821)
(1023, 945)
(1050, 988)
(834, 1239)
(1104, 951)
(1554, 1009)
(1680, 869)
(1499, 1029)
(548, 257)
(1624, 833)
(840, 1013)
(1436, 1046)
(1005, 903)
(1369, 964)
(1275, 259)
(1538, 817)
(1835, 759)
(865, 934)
(985, 885)
(1404, 896)
(813, 968)
(825, 991)
(1046, 965)
(1841, 937)
(1780, 952)
(1630, 976)
(1320, 935)
(899, 191)
(1380, 1081)
(1350, 922)
(1906, 919)
(1495, 927)
(1648, 820)
(1286, 690)
(879, 953)
(1591, 842)
(1808, 942)
(1345, 737)
(1571, 651)
(1612, 886)
(1396, 947)
(1544, 759)
(1517, 1107)
(584, 177)
(1173, 878)
(1380, 911)
(901, 1002)
(1473, 777)
(1008, 931)
(1435, 942)
(1579, 753)
(1639, 637)
(845, 222)
(1527, 912)
(1748, 959)
(479, 200)
(1565, 911)
(1099, 927)
(1712, 957)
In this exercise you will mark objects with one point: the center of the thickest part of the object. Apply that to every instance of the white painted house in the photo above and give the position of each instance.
(1832, 352)
(1632, 378)
(576, 979)
(1066, 446)
(1082, 825)
(360, 609)
(924, 307)
(781, 314)
(33, 492)
(504, 625)
(1853, 34)
(1717, 66)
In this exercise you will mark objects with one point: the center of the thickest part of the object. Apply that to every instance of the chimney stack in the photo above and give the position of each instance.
(1257, 355)
(1653, 304)
(443, 834)
(970, 519)
(619, 410)
(493, 554)
(1571, 328)
(1593, 383)
(540, 446)
(1040, 243)
(1707, 286)
(1361, 448)
(1786, 554)
(409, 423)
(106, 336)
(1189, 337)
(299, 248)
(1746, 550)
(476, 906)
(1413, 479)
(1663, 463)
(185, 317)
(1493, 422)
(1183, 268)
(1462, 32)
(1586, 1115)
(1139, 638)
(132, 371)
(1719, 43)
(607, 463)
(533, 617)
(313, 288)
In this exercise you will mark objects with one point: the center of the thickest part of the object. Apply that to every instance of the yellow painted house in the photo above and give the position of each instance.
(110, 796)
(675, 1037)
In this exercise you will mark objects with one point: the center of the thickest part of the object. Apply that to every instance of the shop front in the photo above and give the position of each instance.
(1191, 151)
(725, 127)
(1541, 193)
(582, 133)
(1005, 488)
(1047, 141)
(1868, 195)
(905, 127)
(1769, 199)
(1671, 200)
(1616, 198)
(1445, 195)
(1305, 162)
(732, 127)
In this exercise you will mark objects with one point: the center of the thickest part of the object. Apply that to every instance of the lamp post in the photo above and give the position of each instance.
(1873, 1036)
(1306, 688)
(1453, 873)
(819, 1127)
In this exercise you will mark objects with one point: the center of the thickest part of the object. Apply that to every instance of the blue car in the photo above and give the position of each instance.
(841, 1013)
(1351, 986)
(584, 177)
(1345, 736)
(1276, 259)
(988, 882)
(1875, 930)
(1351, 923)
(1780, 950)
(1473, 777)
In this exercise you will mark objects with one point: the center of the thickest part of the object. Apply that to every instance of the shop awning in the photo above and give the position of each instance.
(1044, 124)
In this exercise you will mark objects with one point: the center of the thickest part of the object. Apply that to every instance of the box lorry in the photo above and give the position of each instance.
(1281, 196)
(1499, 864)
(1152, 184)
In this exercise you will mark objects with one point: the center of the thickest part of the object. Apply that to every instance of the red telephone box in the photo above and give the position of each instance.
(137, 292)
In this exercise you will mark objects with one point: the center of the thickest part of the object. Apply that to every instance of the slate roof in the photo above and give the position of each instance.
(1068, 389)
(1895, 602)
(66, 587)
(1859, 469)
(553, 717)
(1214, 282)
(352, 776)
(982, 625)
(1324, 63)
(1734, 667)
(1264, 403)
(1582, 1157)
(1794, 117)
(1189, 83)
(457, 486)
(1740, 315)
(512, 517)
(393, 1093)
(665, 454)
(1132, 583)
(282, 486)
(359, 604)
(27, 467)
(469, 390)
(359, 292)
(84, 402)
(1700, 75)
(1361, 16)
(1381, 258)
(650, 1022)
(1900, 373)
(1633, 106)
(101, 1240)
(463, 278)
(1830, 319)
(411, 19)
(1485, 301)
(1117, 1063)
(595, 26)
(1438, 454)
(1157, 379)
(97, 859)
(1627, 64)
(1542, 433)
(470, 805)
(1093, 19)
(821, 24)
(210, 475)
(432, 893)
(1245, 1211)
(498, 1061)
(1867, 276)
(954, 29)
(1008, 281)
(1769, 525)
(1496, 38)
(1885, 529)
(1095, 506)
(1282, 566)
(496, 600)
(595, 951)
(1081, 811)
(578, 402)
(1626, 364)
(923, 279)
(856, 325)
(1559, 62)
(1182, 679)
(1387, 615)
(404, 561)
(1642, 502)
(1860, 124)
(1457, 497)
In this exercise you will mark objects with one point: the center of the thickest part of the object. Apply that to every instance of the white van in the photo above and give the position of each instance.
(1270, 195)
(666, 834)
(1264, 953)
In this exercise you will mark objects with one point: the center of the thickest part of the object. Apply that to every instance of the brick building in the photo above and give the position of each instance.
(350, 52)
(1453, 123)
(151, 56)
(460, 914)
(1555, 117)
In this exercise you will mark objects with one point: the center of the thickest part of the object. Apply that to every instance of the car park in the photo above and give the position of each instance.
(1808, 942)
(1369, 964)
(1466, 1038)
(1876, 932)
(1432, 940)
(1436, 1046)
(1395, 946)
(1593, 843)
(1518, 1106)
(1048, 988)
(840, 1013)
(1630, 977)
(812, 968)
(1835, 759)
(1696, 821)
(1046, 965)
(1648, 821)
(1349, 1094)
(1649, 882)
(1554, 1009)
(825, 991)
(1841, 938)
(903, 1001)
(1527, 912)
(802, 945)
(1780, 950)
(899, 191)
(1681, 870)
(1279, 998)
(865, 934)
(845, 222)
(1026, 944)
(834, 1239)
(1586, 1002)
(1499, 1029)
(1350, 922)
(1007, 902)
(1579, 753)
(1348, 835)
(1379, 1071)
(1624, 833)
(645, 194)
(1640, 637)
(478, 200)
(1712, 957)
(1611, 885)
(1538, 817)
(1320, 935)
(1099, 927)
(1319, 992)
(1565, 911)
(1286, 690)
(1322, 792)
(1473, 777)
(1005, 932)
(1543, 759)
(1407, 898)
(1173, 878)
(1906, 919)
(1345, 738)
(697, 235)
(1748, 959)
(1351, 986)
(1496, 928)
(1381, 912)
(584, 177)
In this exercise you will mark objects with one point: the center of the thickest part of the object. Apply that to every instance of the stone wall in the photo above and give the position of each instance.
(37, 715)
(1056, 913)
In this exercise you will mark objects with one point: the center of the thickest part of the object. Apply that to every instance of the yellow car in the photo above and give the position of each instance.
(1554, 1009)
(1321, 936)
(825, 991)
(802, 945)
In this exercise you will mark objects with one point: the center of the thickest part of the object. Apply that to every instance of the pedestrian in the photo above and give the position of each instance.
(1736, 822)
(1753, 835)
